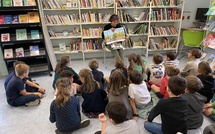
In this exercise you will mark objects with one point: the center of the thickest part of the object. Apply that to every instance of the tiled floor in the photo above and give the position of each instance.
(35, 120)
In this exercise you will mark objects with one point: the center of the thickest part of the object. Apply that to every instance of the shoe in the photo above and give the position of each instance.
(84, 123)
(57, 131)
(33, 103)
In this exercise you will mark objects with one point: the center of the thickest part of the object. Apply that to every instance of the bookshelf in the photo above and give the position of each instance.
(141, 17)
(22, 37)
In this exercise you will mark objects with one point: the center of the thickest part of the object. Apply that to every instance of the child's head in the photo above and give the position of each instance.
(132, 57)
(157, 58)
(117, 82)
(63, 86)
(64, 61)
(22, 70)
(204, 68)
(119, 63)
(136, 77)
(177, 85)
(172, 70)
(194, 53)
(116, 112)
(93, 64)
(135, 59)
(67, 74)
(193, 84)
(17, 62)
(170, 55)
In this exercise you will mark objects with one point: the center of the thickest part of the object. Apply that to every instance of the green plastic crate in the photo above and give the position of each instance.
(192, 38)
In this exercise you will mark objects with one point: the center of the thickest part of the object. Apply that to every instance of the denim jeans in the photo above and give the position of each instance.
(22, 100)
(153, 127)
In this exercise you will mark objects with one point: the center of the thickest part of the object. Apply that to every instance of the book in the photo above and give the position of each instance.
(117, 35)
(5, 37)
(17, 3)
(6, 3)
(62, 47)
(8, 53)
(7, 19)
(21, 34)
(23, 18)
(15, 19)
(209, 41)
(29, 3)
(1, 19)
(211, 59)
(19, 52)
(35, 34)
(33, 17)
(34, 50)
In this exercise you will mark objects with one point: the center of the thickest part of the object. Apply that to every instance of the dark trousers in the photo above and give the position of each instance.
(22, 100)
(31, 89)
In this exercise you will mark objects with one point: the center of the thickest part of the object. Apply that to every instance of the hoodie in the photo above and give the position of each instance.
(195, 109)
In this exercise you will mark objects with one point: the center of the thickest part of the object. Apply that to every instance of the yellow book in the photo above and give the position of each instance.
(23, 18)
(33, 17)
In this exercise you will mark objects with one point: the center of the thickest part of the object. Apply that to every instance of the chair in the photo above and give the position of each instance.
(191, 38)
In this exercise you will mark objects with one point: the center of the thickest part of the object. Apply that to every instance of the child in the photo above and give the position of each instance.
(156, 71)
(120, 65)
(195, 104)
(171, 59)
(93, 94)
(64, 64)
(30, 86)
(117, 116)
(118, 90)
(15, 90)
(205, 75)
(140, 98)
(161, 92)
(173, 110)
(98, 75)
(209, 109)
(191, 68)
(65, 110)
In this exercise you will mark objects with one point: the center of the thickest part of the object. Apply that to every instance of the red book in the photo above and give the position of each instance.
(1, 19)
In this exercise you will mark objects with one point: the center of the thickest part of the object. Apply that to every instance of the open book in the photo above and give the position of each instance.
(117, 35)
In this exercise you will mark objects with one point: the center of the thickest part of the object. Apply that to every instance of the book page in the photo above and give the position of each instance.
(117, 36)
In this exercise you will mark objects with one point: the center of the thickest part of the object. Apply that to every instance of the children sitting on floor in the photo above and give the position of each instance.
(191, 68)
(65, 110)
(171, 59)
(15, 90)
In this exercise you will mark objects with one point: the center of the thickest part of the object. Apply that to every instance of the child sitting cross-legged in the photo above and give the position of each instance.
(171, 59)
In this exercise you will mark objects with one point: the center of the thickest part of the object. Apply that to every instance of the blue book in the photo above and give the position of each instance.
(35, 34)
(15, 19)
(34, 50)
(7, 19)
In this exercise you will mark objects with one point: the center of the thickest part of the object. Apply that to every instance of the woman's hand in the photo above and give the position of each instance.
(113, 29)
(126, 37)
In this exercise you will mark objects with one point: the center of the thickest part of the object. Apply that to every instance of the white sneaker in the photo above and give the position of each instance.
(33, 103)
(84, 123)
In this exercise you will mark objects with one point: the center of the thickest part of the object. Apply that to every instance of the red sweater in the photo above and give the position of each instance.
(163, 87)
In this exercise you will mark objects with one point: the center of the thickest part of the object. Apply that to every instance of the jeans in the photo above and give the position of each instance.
(153, 127)
(22, 100)
(118, 53)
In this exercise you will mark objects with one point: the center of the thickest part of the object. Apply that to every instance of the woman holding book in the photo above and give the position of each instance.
(116, 48)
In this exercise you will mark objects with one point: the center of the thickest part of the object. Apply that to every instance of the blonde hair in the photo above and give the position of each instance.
(20, 69)
(93, 64)
(62, 64)
(63, 86)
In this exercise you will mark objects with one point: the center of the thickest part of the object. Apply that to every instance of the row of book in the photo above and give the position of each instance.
(62, 19)
(128, 3)
(65, 33)
(92, 32)
(95, 17)
(165, 43)
(165, 14)
(210, 25)
(141, 29)
(93, 3)
(163, 30)
(34, 51)
(52, 4)
(30, 17)
(125, 17)
(21, 34)
(166, 2)
(10, 3)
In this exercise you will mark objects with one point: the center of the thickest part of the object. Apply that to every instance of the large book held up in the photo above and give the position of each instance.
(21, 34)
(62, 47)
(33, 17)
(19, 52)
(5, 37)
(34, 50)
(35, 34)
(117, 35)
(8, 53)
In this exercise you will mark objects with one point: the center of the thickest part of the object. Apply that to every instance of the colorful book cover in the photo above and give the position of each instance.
(19, 52)
(7, 3)
(209, 41)
(35, 34)
(7, 19)
(23, 18)
(8, 53)
(5, 37)
(33, 17)
(211, 59)
(1, 19)
(114, 36)
(17, 3)
(34, 50)
(30, 2)
(62, 47)
(15, 19)
(21, 34)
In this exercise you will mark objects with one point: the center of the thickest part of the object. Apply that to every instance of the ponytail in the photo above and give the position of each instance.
(61, 65)
(140, 62)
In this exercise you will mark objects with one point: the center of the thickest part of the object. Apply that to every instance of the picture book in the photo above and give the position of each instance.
(62, 47)
(17, 3)
(23, 18)
(35, 34)
(6, 3)
(29, 3)
(7, 19)
(8, 53)
(209, 41)
(19, 52)
(211, 59)
(117, 35)
(34, 50)
(21, 34)
(33, 17)
(15, 19)
(1, 19)
(5, 37)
